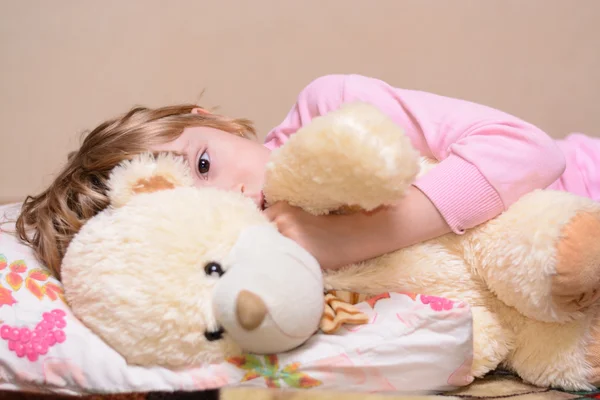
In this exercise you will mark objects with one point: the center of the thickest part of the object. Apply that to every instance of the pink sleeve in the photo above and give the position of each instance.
(488, 159)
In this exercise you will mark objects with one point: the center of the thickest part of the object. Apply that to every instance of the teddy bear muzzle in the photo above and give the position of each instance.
(270, 299)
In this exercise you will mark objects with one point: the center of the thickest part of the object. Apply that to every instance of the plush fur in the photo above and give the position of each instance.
(530, 275)
(135, 272)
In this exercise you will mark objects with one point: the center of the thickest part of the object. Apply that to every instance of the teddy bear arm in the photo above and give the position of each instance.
(542, 255)
(355, 156)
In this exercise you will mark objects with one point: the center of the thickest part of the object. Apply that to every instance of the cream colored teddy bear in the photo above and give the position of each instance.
(175, 276)
(531, 275)
(149, 274)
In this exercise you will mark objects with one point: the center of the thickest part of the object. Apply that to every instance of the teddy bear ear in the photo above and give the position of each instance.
(147, 173)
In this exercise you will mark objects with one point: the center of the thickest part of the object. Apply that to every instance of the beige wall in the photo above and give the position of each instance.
(66, 65)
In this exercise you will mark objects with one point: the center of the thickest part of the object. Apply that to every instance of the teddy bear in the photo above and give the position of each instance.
(158, 274)
(530, 275)
(174, 275)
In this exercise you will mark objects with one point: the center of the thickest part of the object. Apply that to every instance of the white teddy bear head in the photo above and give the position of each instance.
(174, 275)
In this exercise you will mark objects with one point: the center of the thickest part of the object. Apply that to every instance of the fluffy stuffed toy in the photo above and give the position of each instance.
(171, 275)
(174, 275)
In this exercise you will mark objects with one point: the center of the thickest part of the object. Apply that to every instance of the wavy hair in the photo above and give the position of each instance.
(49, 220)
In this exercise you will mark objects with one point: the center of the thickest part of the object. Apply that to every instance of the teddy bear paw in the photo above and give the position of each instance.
(576, 283)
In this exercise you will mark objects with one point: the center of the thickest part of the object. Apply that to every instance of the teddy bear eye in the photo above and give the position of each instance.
(213, 269)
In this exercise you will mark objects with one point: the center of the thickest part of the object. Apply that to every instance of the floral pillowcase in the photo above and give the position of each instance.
(412, 344)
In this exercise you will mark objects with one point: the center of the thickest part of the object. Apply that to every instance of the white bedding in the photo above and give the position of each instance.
(412, 344)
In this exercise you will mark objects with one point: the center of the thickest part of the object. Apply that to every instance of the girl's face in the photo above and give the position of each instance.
(223, 160)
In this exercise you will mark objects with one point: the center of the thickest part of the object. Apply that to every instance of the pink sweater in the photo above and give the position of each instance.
(488, 159)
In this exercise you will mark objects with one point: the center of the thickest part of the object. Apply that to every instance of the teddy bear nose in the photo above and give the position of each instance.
(250, 310)
(211, 336)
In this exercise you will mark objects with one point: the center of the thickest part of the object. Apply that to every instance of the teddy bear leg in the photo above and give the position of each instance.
(542, 256)
(491, 342)
(592, 352)
(555, 355)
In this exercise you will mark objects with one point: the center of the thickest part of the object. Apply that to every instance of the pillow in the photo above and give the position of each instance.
(412, 344)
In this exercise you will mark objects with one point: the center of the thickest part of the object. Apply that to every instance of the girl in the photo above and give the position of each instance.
(488, 159)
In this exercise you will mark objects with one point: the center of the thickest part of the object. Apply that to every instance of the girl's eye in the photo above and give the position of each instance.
(204, 164)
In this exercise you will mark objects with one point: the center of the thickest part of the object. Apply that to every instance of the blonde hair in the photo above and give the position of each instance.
(49, 221)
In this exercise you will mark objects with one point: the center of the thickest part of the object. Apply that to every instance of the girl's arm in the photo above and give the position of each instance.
(339, 240)
(487, 160)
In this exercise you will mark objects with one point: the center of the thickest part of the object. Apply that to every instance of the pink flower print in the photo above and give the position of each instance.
(462, 375)
(25, 342)
(437, 303)
(356, 328)
(214, 378)
(62, 372)
(57, 372)
(343, 367)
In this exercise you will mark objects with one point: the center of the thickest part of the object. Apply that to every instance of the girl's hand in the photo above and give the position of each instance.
(331, 239)
(339, 240)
